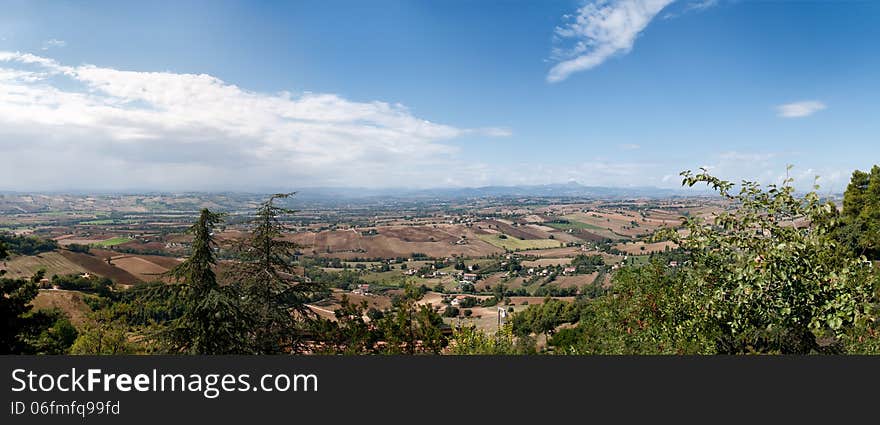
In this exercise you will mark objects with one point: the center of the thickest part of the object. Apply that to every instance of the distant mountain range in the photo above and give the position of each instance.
(564, 190)
(132, 201)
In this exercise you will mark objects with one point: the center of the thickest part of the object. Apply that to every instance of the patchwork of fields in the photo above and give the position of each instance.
(513, 244)
(122, 269)
(441, 242)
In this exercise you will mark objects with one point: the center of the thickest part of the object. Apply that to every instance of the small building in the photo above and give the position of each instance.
(469, 277)
(569, 270)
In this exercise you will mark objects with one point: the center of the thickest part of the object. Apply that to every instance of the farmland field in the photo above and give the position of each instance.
(96, 263)
(640, 247)
(393, 278)
(577, 281)
(544, 262)
(569, 251)
(572, 225)
(610, 224)
(107, 221)
(70, 302)
(395, 241)
(514, 244)
(53, 262)
(143, 269)
(119, 240)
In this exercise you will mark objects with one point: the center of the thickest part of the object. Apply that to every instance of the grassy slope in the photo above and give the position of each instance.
(514, 244)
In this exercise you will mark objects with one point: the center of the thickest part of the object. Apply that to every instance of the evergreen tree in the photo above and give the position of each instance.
(860, 223)
(213, 321)
(25, 331)
(15, 298)
(411, 328)
(276, 295)
(103, 335)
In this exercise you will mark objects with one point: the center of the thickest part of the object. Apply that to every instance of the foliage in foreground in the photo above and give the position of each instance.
(25, 331)
(765, 277)
(860, 221)
(471, 341)
(406, 328)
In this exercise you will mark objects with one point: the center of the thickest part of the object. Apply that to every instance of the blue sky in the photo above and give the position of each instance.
(246, 95)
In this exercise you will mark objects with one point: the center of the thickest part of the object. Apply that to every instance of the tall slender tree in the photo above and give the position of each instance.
(3, 255)
(213, 320)
(276, 294)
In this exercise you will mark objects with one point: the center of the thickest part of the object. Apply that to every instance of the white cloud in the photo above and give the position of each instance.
(494, 131)
(799, 109)
(53, 43)
(65, 127)
(700, 5)
(601, 29)
(770, 168)
(694, 6)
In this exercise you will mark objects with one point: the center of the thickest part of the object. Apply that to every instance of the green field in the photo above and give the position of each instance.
(13, 229)
(98, 222)
(107, 221)
(394, 278)
(513, 244)
(53, 213)
(576, 225)
(638, 260)
(112, 241)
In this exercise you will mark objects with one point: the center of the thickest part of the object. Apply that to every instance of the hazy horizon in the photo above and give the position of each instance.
(241, 97)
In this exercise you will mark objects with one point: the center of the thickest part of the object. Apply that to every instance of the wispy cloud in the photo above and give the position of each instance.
(700, 5)
(108, 128)
(601, 29)
(48, 44)
(629, 146)
(799, 109)
(693, 6)
(493, 131)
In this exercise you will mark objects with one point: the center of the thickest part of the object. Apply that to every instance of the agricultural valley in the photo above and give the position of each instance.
(462, 251)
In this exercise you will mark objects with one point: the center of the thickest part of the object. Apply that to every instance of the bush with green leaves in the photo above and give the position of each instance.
(468, 340)
(25, 245)
(406, 328)
(29, 331)
(766, 275)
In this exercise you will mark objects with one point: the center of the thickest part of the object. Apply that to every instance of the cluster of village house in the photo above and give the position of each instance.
(466, 277)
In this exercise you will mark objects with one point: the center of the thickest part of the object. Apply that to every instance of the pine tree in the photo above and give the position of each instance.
(277, 296)
(412, 328)
(213, 321)
(3, 255)
(860, 224)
